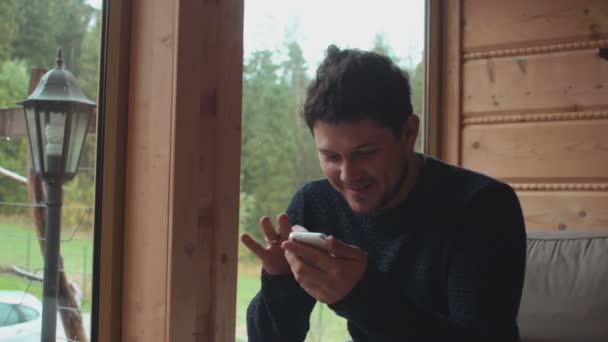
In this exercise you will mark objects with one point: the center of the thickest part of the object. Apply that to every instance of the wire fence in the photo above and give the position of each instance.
(22, 264)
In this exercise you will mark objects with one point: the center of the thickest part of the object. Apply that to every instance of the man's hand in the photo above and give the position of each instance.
(326, 277)
(271, 254)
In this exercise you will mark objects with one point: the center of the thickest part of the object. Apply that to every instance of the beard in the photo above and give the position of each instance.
(394, 190)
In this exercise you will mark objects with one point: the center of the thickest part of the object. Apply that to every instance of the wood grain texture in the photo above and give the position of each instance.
(497, 24)
(565, 210)
(189, 249)
(571, 81)
(559, 150)
(184, 125)
(147, 183)
(451, 82)
(227, 172)
(205, 179)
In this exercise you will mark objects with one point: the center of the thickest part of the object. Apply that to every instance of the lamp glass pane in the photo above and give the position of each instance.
(78, 132)
(52, 138)
(34, 142)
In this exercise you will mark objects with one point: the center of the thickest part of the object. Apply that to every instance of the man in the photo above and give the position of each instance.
(418, 250)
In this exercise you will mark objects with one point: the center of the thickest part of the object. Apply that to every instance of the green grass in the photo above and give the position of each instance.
(19, 247)
(325, 325)
(9, 281)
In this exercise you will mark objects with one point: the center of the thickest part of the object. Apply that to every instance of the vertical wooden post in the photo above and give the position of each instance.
(183, 165)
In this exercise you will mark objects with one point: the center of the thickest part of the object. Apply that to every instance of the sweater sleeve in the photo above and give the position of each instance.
(281, 309)
(484, 283)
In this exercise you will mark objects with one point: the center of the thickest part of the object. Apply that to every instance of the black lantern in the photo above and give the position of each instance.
(57, 115)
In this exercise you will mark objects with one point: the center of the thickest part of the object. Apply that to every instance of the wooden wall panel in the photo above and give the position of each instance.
(564, 210)
(566, 81)
(541, 151)
(499, 24)
(532, 106)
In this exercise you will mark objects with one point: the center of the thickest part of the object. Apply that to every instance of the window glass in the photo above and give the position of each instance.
(284, 42)
(31, 32)
(8, 315)
(27, 313)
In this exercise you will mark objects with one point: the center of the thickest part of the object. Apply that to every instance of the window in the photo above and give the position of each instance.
(27, 313)
(32, 31)
(8, 315)
(284, 42)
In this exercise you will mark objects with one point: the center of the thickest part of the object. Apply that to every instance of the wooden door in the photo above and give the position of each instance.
(525, 100)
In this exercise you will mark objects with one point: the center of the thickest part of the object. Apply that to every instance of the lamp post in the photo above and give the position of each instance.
(57, 116)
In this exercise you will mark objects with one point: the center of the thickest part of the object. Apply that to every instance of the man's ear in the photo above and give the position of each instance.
(410, 131)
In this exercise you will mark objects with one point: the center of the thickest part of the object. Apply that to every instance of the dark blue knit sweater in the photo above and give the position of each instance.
(445, 265)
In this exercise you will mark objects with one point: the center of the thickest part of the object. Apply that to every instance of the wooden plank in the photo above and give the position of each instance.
(498, 24)
(451, 83)
(204, 187)
(565, 210)
(148, 170)
(569, 81)
(227, 171)
(205, 180)
(12, 122)
(13, 176)
(190, 246)
(551, 150)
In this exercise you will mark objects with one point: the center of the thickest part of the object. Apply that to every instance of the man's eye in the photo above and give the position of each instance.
(332, 158)
(366, 152)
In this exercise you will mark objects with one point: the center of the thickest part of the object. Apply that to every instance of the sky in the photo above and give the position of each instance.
(315, 24)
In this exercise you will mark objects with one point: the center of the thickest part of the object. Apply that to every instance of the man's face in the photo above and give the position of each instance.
(363, 161)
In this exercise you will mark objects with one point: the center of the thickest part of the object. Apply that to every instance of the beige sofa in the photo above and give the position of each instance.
(565, 294)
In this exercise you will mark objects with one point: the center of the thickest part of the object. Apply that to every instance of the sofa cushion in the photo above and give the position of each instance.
(565, 296)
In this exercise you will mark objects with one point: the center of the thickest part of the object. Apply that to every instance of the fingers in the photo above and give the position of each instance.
(268, 229)
(309, 255)
(253, 245)
(341, 250)
(284, 225)
(304, 273)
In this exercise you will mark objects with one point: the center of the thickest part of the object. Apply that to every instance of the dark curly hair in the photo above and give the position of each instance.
(352, 85)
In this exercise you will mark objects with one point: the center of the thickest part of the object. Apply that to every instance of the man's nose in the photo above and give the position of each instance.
(350, 172)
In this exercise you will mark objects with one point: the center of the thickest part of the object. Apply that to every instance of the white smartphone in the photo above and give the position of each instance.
(317, 240)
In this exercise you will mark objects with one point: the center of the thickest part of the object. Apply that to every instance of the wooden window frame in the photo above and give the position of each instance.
(109, 215)
(443, 75)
